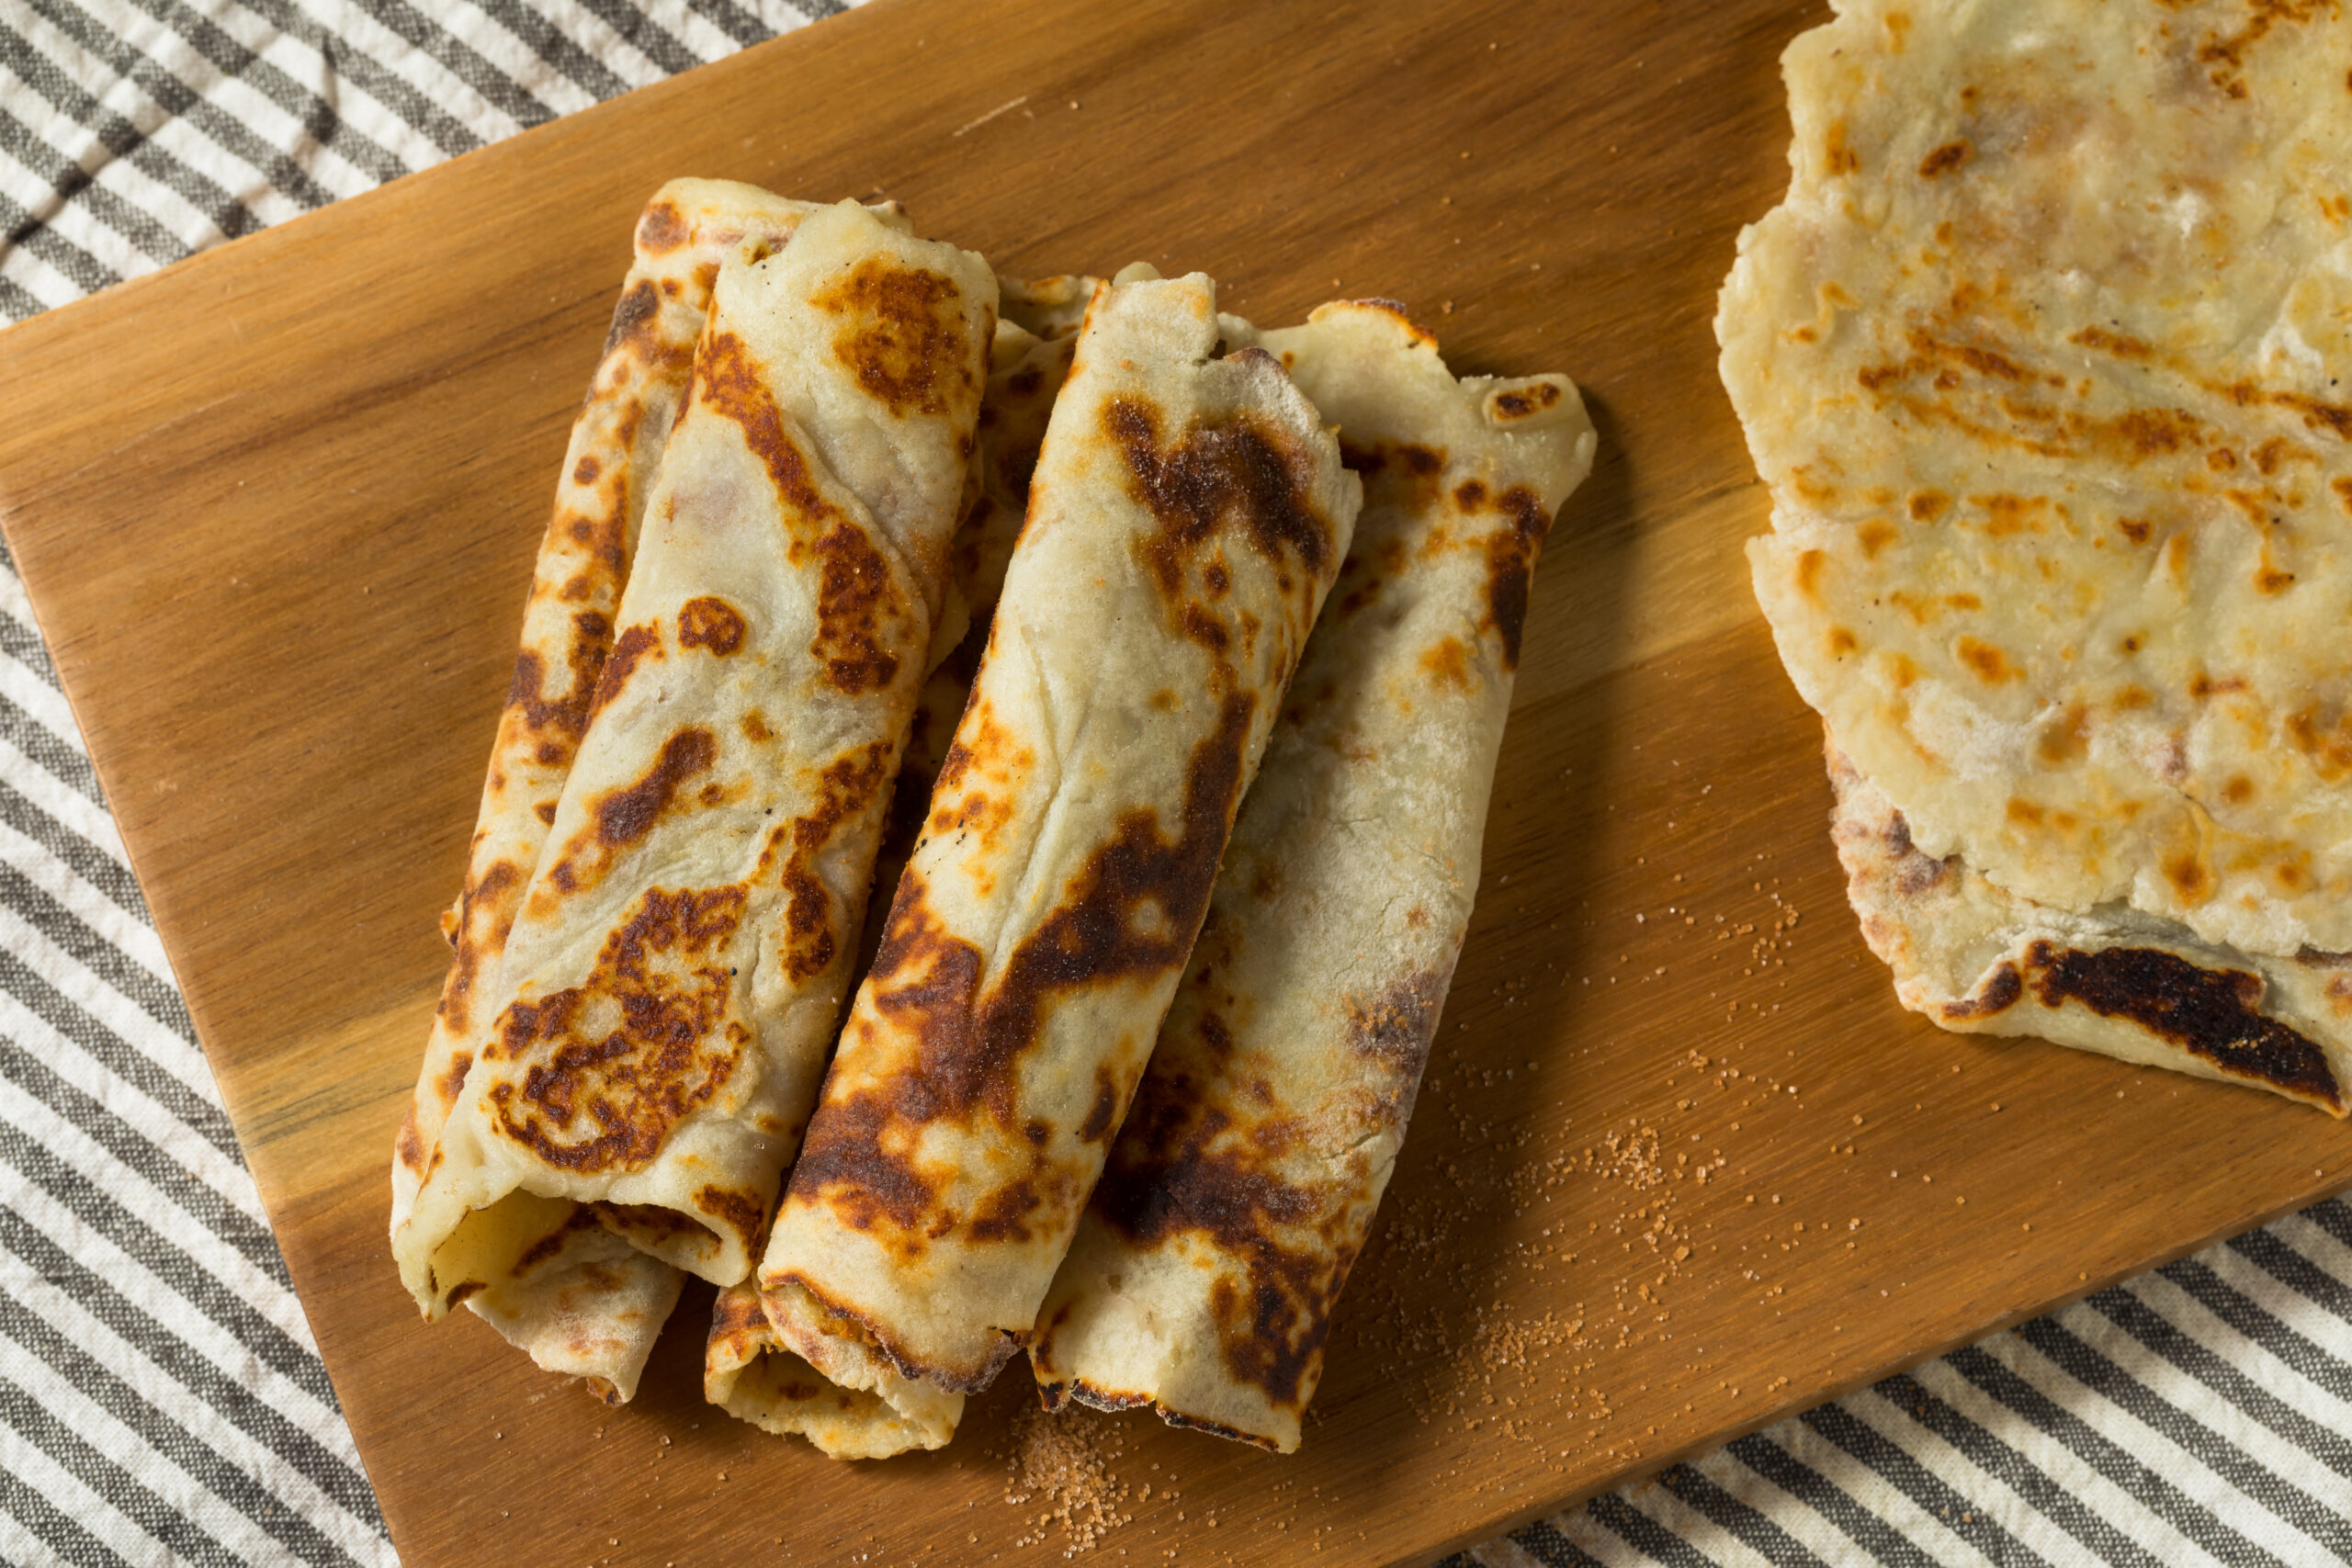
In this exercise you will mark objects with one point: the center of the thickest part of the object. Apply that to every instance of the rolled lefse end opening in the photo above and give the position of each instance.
(584, 1303)
(556, 1283)
(749, 1372)
(1153, 1342)
(454, 1245)
(475, 1231)
(1046, 307)
(836, 1349)
(711, 1245)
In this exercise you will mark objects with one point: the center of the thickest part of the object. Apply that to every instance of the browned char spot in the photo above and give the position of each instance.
(1837, 154)
(712, 623)
(999, 1215)
(2119, 345)
(2209, 1012)
(2224, 54)
(1102, 1118)
(858, 1158)
(1999, 993)
(1395, 1027)
(855, 595)
(453, 1077)
(616, 1061)
(490, 893)
(1448, 663)
(1991, 665)
(1132, 909)
(637, 307)
(636, 645)
(849, 783)
(1518, 402)
(1241, 469)
(1945, 159)
(852, 596)
(625, 816)
(662, 229)
(2150, 433)
(906, 340)
(566, 713)
(1511, 567)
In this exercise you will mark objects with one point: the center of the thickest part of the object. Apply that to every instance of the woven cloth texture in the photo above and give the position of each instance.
(161, 1400)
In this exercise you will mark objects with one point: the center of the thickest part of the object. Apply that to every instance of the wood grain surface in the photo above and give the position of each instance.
(1682, 1165)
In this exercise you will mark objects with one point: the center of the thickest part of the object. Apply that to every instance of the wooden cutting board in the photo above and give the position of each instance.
(1682, 1167)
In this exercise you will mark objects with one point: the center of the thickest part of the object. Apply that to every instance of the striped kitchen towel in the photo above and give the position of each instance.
(160, 1398)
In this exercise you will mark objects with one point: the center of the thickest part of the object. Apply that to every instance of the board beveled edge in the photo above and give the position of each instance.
(132, 294)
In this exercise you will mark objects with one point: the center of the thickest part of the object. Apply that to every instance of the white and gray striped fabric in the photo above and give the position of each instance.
(160, 1401)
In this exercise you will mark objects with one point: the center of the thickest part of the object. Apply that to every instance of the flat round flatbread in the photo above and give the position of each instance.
(2045, 358)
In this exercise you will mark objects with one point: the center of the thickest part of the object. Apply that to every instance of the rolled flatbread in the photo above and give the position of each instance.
(582, 1304)
(1239, 1191)
(746, 1370)
(671, 980)
(1188, 514)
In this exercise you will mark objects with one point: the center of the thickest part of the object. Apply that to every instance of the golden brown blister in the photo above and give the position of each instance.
(1188, 515)
(1245, 1179)
(681, 951)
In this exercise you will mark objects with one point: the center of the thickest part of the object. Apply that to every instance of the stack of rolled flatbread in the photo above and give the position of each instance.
(1153, 665)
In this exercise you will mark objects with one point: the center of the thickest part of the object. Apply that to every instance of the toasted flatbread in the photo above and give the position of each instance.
(2042, 358)
(1245, 1180)
(580, 1304)
(746, 1368)
(1188, 514)
(671, 984)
